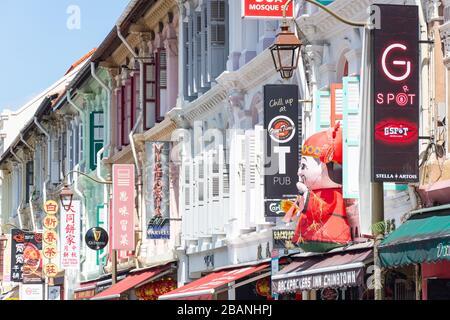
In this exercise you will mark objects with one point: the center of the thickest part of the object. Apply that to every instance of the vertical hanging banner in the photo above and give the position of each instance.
(70, 235)
(282, 149)
(123, 237)
(17, 249)
(32, 258)
(396, 101)
(158, 191)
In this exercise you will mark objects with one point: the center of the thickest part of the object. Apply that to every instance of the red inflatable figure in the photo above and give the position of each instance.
(322, 221)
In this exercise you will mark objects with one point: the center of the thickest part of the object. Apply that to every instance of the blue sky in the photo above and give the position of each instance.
(37, 46)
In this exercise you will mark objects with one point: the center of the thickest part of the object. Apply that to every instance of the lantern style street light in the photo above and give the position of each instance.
(66, 197)
(286, 49)
(286, 52)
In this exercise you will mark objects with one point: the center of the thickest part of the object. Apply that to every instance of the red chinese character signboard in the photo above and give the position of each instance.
(70, 236)
(266, 9)
(123, 237)
(396, 95)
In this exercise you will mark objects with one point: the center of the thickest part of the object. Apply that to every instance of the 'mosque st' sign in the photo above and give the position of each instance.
(396, 103)
(266, 9)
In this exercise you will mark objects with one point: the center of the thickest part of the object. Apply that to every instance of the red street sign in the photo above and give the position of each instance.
(266, 9)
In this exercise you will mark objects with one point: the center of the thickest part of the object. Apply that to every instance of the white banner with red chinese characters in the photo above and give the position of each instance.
(123, 237)
(70, 236)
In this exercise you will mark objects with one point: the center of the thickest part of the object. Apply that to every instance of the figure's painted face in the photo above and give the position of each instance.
(314, 174)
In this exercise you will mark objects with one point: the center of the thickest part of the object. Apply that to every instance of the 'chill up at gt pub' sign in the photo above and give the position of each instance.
(396, 98)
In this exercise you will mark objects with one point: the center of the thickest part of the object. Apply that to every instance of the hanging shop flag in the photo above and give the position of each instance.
(264, 9)
(282, 146)
(396, 100)
(123, 237)
(32, 258)
(70, 236)
(26, 260)
(17, 249)
(157, 195)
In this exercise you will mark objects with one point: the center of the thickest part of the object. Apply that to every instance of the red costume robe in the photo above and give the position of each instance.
(323, 224)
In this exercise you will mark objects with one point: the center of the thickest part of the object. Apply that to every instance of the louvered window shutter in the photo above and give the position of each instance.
(191, 60)
(150, 95)
(161, 84)
(96, 136)
(225, 175)
(259, 162)
(351, 137)
(323, 110)
(337, 103)
(136, 98)
(119, 103)
(197, 50)
(217, 24)
(204, 47)
(55, 160)
(127, 111)
(250, 159)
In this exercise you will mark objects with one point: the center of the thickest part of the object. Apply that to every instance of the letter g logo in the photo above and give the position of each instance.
(386, 53)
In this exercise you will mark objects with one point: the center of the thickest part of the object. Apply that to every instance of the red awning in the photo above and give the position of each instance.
(130, 282)
(204, 288)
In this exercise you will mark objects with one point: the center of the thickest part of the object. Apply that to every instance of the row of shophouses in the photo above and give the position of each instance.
(192, 73)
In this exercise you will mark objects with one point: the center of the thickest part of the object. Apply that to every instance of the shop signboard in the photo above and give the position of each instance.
(70, 236)
(54, 293)
(157, 195)
(96, 238)
(32, 258)
(396, 101)
(17, 249)
(32, 292)
(332, 279)
(123, 237)
(282, 239)
(282, 146)
(266, 9)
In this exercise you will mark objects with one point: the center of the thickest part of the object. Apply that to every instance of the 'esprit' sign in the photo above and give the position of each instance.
(266, 9)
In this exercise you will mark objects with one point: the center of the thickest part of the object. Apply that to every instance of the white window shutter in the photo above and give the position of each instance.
(224, 188)
(323, 110)
(250, 177)
(351, 137)
(259, 174)
(190, 45)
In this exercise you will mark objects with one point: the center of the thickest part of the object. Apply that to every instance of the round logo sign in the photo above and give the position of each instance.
(96, 238)
(281, 129)
(51, 207)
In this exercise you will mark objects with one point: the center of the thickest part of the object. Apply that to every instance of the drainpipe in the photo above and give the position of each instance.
(132, 142)
(20, 191)
(25, 143)
(49, 154)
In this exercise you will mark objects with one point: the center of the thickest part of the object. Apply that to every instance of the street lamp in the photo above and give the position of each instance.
(66, 196)
(286, 49)
(286, 52)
